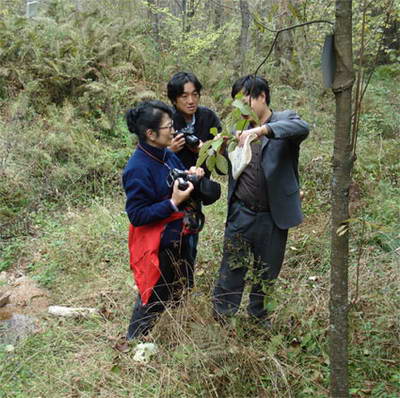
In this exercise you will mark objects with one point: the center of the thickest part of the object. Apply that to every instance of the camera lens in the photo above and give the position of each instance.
(192, 140)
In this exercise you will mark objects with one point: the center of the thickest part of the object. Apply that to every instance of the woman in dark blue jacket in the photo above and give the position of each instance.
(159, 252)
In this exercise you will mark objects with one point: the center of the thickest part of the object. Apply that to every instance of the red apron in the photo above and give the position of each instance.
(144, 244)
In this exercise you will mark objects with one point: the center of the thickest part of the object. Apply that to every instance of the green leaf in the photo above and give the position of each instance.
(213, 131)
(271, 306)
(227, 102)
(222, 164)
(203, 153)
(116, 369)
(232, 145)
(239, 95)
(242, 124)
(244, 108)
(236, 114)
(210, 162)
(216, 145)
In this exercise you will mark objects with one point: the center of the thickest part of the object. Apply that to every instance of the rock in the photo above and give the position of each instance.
(4, 298)
(3, 277)
(9, 348)
(19, 301)
(70, 312)
(17, 328)
(28, 297)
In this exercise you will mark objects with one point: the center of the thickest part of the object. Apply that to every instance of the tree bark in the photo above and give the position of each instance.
(154, 19)
(215, 12)
(284, 47)
(342, 166)
(187, 12)
(243, 38)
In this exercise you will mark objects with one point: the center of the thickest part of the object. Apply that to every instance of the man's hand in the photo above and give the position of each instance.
(179, 196)
(197, 171)
(259, 131)
(197, 148)
(177, 143)
(242, 135)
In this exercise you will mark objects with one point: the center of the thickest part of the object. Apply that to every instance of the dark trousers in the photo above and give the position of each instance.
(176, 270)
(193, 240)
(252, 242)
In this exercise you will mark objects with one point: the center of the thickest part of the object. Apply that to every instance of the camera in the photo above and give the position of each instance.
(190, 139)
(183, 179)
(205, 190)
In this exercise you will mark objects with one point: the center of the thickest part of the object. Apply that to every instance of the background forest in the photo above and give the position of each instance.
(66, 78)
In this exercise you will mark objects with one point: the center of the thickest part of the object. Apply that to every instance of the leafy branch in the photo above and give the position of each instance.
(212, 151)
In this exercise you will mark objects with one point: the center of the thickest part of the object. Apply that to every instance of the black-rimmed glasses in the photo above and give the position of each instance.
(169, 127)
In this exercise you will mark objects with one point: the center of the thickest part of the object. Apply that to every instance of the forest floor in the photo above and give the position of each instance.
(76, 253)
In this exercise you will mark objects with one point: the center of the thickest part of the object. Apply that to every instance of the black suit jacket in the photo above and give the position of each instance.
(280, 158)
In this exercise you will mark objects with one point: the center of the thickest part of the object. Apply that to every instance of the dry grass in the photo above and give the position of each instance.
(83, 258)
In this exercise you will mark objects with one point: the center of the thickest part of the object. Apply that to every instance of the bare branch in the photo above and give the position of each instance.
(283, 30)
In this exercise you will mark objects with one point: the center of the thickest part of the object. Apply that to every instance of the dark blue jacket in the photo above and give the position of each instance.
(147, 192)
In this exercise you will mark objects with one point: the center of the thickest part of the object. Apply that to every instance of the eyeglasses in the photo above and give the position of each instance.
(169, 127)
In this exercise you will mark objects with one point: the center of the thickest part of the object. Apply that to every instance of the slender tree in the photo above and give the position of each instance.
(243, 38)
(284, 47)
(215, 10)
(154, 19)
(342, 166)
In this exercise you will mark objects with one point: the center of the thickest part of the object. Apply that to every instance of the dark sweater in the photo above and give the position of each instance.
(147, 193)
(205, 120)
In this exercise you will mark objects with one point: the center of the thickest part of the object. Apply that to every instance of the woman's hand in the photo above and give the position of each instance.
(197, 171)
(179, 196)
(177, 143)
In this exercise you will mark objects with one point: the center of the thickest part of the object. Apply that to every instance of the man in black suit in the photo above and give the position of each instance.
(263, 203)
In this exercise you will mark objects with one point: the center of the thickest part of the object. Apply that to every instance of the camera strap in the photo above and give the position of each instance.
(154, 157)
(193, 220)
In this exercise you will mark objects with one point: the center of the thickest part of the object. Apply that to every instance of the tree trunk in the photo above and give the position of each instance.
(216, 13)
(154, 19)
(342, 166)
(187, 12)
(284, 47)
(243, 38)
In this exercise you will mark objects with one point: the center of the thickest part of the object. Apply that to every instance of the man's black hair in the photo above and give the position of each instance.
(175, 85)
(147, 115)
(253, 86)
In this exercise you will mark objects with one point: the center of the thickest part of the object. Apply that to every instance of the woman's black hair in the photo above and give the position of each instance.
(253, 86)
(146, 115)
(175, 86)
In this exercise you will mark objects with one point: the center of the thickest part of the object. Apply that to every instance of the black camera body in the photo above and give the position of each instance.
(191, 140)
(183, 179)
(205, 190)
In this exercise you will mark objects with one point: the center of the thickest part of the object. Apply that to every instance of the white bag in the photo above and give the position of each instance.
(240, 157)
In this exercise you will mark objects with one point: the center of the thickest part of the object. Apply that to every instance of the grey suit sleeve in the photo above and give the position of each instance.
(288, 125)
